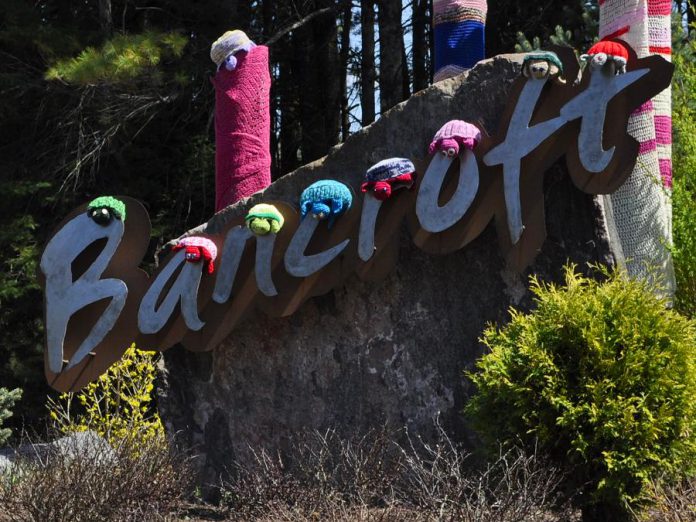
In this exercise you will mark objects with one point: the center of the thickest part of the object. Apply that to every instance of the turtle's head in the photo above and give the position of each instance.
(260, 226)
(538, 69)
(449, 147)
(382, 190)
(101, 215)
(320, 210)
(193, 254)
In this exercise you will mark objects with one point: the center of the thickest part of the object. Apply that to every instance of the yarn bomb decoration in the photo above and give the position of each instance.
(263, 219)
(198, 249)
(608, 54)
(387, 176)
(542, 65)
(105, 208)
(325, 199)
(453, 135)
(224, 49)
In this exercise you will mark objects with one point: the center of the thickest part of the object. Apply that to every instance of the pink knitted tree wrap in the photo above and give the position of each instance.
(242, 128)
(641, 205)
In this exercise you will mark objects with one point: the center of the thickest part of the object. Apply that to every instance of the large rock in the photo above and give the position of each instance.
(87, 445)
(394, 352)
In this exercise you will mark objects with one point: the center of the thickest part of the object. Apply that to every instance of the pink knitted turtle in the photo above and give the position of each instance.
(198, 249)
(454, 134)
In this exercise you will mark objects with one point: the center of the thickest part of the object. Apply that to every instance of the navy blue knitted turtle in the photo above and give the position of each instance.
(325, 199)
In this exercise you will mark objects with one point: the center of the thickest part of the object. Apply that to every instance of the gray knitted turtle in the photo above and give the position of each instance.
(543, 64)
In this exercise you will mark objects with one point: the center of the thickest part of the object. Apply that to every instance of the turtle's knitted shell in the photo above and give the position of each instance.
(458, 129)
(227, 44)
(547, 56)
(610, 48)
(115, 205)
(199, 241)
(388, 169)
(325, 190)
(265, 211)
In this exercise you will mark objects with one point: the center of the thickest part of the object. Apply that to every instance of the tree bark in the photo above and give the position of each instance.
(106, 22)
(367, 62)
(420, 45)
(320, 95)
(344, 66)
(391, 54)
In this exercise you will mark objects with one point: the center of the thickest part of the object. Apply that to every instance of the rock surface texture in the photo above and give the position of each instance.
(372, 354)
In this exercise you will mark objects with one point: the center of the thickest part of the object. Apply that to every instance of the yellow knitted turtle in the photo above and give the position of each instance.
(263, 219)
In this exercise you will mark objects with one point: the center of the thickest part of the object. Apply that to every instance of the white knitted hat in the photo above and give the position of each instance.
(229, 43)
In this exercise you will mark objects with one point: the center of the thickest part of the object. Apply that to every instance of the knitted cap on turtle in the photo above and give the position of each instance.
(115, 205)
(264, 210)
(323, 190)
(389, 168)
(229, 43)
(199, 241)
(547, 56)
(610, 48)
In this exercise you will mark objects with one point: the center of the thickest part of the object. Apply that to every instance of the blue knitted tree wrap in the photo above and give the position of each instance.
(459, 34)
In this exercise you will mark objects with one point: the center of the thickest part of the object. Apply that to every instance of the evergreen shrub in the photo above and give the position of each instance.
(7, 401)
(602, 377)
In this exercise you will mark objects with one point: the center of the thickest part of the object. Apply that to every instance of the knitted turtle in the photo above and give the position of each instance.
(389, 175)
(223, 50)
(105, 208)
(325, 199)
(541, 65)
(263, 218)
(611, 53)
(198, 249)
(452, 135)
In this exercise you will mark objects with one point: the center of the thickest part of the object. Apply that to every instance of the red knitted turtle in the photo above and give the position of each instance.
(611, 51)
(198, 249)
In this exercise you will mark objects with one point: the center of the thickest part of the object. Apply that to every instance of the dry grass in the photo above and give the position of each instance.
(133, 481)
(672, 502)
(373, 478)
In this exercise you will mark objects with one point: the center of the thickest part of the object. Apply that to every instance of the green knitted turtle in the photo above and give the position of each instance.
(543, 64)
(263, 219)
(104, 208)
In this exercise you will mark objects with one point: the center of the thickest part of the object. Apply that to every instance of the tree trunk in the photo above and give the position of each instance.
(320, 94)
(345, 56)
(328, 76)
(391, 54)
(106, 22)
(367, 62)
(420, 45)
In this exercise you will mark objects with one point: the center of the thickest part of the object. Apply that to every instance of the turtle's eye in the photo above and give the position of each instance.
(101, 216)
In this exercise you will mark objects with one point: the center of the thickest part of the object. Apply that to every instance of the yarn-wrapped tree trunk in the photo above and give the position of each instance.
(459, 34)
(641, 206)
(242, 128)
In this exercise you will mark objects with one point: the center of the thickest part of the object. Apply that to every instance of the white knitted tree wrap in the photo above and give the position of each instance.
(641, 206)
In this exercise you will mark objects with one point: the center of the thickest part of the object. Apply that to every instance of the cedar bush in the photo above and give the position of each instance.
(7, 401)
(602, 376)
(684, 193)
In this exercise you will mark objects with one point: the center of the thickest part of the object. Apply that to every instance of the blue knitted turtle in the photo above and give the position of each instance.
(325, 199)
